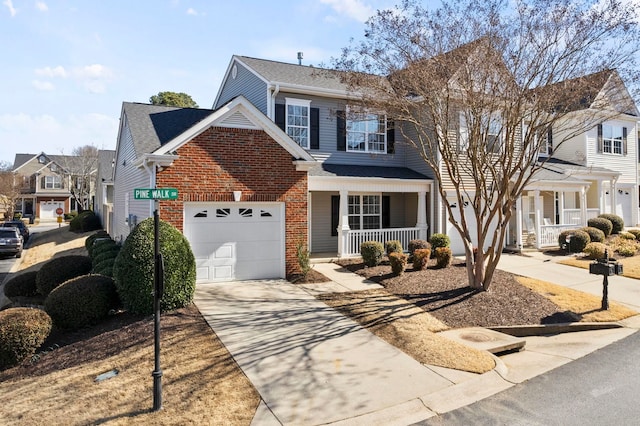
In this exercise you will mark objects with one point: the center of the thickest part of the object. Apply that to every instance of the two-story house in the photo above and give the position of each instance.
(104, 187)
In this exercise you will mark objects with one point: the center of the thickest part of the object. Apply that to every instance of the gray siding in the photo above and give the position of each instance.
(321, 239)
(127, 178)
(246, 84)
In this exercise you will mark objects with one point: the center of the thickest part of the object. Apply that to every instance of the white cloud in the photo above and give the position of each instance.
(58, 71)
(192, 11)
(92, 71)
(42, 6)
(43, 85)
(353, 9)
(9, 4)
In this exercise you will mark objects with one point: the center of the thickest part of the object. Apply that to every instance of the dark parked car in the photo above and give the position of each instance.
(10, 241)
(24, 230)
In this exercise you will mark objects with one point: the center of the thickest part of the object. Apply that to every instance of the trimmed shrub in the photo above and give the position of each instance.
(398, 261)
(439, 240)
(23, 285)
(616, 221)
(562, 239)
(85, 221)
(635, 232)
(60, 269)
(109, 254)
(134, 268)
(91, 238)
(626, 235)
(71, 215)
(418, 244)
(595, 250)
(371, 252)
(421, 258)
(595, 234)
(393, 246)
(579, 241)
(22, 332)
(81, 301)
(101, 245)
(602, 224)
(627, 250)
(105, 267)
(443, 257)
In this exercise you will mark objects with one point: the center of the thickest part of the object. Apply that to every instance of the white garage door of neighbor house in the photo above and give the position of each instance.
(457, 246)
(236, 241)
(48, 209)
(623, 205)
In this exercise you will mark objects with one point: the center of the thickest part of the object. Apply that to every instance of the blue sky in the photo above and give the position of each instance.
(67, 65)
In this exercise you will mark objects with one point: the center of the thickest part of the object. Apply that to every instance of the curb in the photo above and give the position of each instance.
(544, 329)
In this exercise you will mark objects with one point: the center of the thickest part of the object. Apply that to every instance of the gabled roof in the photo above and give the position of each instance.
(106, 159)
(152, 126)
(22, 159)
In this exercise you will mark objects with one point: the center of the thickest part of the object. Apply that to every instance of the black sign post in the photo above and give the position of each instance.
(157, 295)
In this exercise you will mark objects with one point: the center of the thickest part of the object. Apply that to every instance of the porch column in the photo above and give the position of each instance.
(562, 220)
(538, 208)
(343, 223)
(583, 206)
(519, 243)
(600, 196)
(421, 222)
(612, 193)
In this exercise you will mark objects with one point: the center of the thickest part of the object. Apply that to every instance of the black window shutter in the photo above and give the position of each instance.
(335, 213)
(599, 137)
(42, 181)
(386, 211)
(549, 141)
(341, 131)
(315, 128)
(391, 137)
(624, 140)
(280, 117)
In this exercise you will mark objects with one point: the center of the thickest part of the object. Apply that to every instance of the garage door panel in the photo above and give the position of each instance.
(256, 269)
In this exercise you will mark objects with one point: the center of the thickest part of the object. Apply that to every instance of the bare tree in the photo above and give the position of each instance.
(81, 166)
(508, 71)
(9, 188)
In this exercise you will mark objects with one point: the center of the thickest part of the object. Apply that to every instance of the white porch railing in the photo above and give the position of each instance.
(357, 237)
(549, 234)
(574, 216)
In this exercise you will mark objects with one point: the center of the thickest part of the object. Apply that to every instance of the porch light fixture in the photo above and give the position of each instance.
(237, 195)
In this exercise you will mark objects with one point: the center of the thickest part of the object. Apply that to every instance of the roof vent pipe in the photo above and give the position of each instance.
(299, 58)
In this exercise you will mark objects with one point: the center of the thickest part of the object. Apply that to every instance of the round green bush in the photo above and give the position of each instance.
(616, 221)
(595, 234)
(439, 240)
(398, 261)
(635, 232)
(595, 250)
(85, 221)
(60, 269)
(418, 244)
(443, 257)
(371, 252)
(100, 245)
(81, 301)
(105, 267)
(23, 285)
(602, 224)
(579, 241)
(626, 235)
(393, 246)
(91, 238)
(134, 267)
(22, 332)
(109, 254)
(627, 250)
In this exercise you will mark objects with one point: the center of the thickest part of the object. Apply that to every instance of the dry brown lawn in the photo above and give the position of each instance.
(630, 265)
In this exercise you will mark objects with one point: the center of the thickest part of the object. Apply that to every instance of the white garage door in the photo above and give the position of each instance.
(236, 241)
(623, 205)
(457, 246)
(48, 209)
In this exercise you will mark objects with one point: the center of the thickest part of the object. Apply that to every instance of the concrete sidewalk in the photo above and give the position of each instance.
(313, 366)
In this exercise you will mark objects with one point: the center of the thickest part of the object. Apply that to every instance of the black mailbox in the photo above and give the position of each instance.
(605, 267)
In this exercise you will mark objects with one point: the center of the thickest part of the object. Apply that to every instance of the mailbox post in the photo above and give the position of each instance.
(606, 268)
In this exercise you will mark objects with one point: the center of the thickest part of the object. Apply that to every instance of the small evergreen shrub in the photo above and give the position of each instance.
(133, 269)
(579, 241)
(109, 254)
(60, 269)
(439, 240)
(81, 301)
(616, 221)
(85, 221)
(101, 245)
(105, 267)
(626, 235)
(602, 224)
(371, 252)
(304, 262)
(71, 215)
(393, 246)
(22, 332)
(418, 244)
(635, 232)
(595, 250)
(596, 235)
(443, 257)
(562, 239)
(91, 238)
(421, 258)
(23, 285)
(398, 261)
(627, 250)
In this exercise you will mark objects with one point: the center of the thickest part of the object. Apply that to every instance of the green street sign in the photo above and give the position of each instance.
(155, 194)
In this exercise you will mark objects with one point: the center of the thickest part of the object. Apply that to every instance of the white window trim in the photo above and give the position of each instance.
(354, 112)
(464, 132)
(612, 140)
(303, 103)
(544, 146)
(360, 215)
(52, 184)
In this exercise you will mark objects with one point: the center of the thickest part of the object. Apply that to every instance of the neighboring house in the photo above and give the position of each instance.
(591, 173)
(104, 187)
(47, 184)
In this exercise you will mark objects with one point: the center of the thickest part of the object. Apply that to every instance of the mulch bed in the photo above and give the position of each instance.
(445, 294)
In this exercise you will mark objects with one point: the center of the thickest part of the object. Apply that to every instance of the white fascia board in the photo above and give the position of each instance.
(362, 184)
(303, 166)
(556, 185)
(160, 160)
(314, 91)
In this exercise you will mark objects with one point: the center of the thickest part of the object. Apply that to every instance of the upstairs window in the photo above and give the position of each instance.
(612, 139)
(52, 182)
(488, 127)
(298, 121)
(366, 132)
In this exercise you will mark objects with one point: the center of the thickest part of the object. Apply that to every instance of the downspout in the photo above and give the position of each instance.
(272, 102)
(151, 169)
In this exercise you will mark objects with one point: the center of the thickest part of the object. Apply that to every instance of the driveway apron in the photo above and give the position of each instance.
(310, 364)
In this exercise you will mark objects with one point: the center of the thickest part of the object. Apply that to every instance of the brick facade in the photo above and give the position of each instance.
(222, 160)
